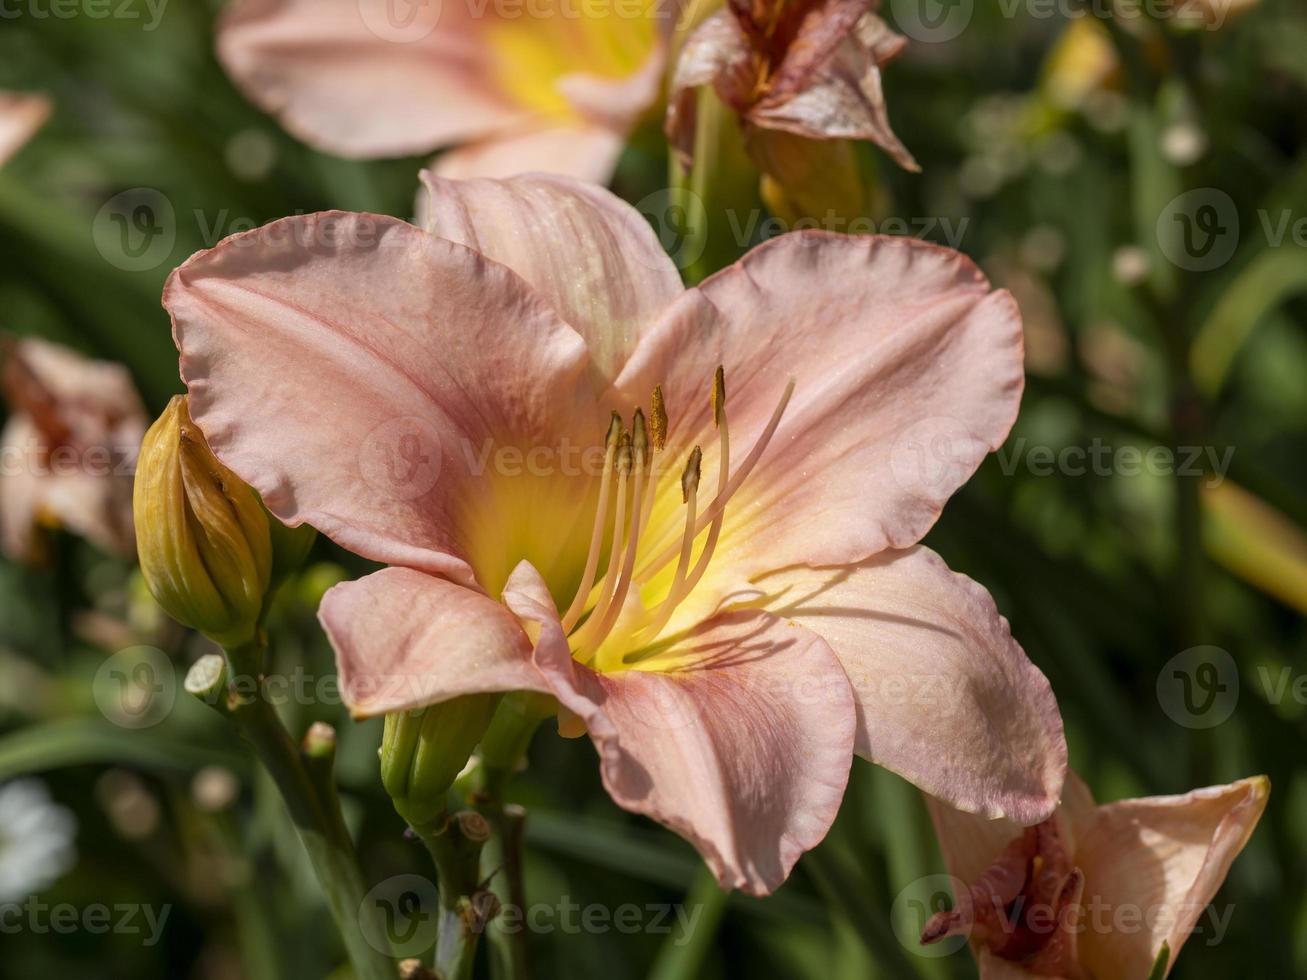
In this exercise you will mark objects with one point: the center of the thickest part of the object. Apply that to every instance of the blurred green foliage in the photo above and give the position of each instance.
(1104, 576)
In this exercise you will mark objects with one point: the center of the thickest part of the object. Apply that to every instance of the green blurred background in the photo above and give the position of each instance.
(1066, 178)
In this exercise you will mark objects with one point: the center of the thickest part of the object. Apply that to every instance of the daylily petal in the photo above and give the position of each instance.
(1160, 860)
(996, 968)
(971, 843)
(946, 698)
(819, 33)
(908, 371)
(592, 255)
(618, 103)
(746, 755)
(364, 78)
(21, 115)
(585, 152)
(404, 639)
(717, 53)
(354, 369)
(842, 97)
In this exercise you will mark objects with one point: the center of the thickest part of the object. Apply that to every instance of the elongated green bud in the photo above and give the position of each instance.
(423, 750)
(202, 534)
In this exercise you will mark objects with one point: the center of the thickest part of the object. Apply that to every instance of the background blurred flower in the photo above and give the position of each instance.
(68, 449)
(554, 86)
(21, 115)
(36, 839)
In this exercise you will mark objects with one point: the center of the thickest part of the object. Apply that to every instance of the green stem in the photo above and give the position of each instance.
(309, 794)
(465, 908)
(508, 938)
(502, 749)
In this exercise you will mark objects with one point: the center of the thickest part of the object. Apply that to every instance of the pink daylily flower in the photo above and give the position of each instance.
(438, 399)
(1095, 892)
(810, 68)
(21, 115)
(74, 428)
(512, 85)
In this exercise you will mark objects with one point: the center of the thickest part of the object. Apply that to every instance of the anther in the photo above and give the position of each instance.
(639, 437)
(690, 478)
(658, 420)
(719, 396)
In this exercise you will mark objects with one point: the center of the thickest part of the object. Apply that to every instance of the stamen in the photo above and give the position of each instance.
(690, 478)
(658, 437)
(601, 622)
(658, 420)
(690, 496)
(742, 474)
(719, 396)
(597, 534)
(630, 455)
(682, 586)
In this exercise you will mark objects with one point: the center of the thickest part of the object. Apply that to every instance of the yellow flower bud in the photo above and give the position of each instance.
(202, 534)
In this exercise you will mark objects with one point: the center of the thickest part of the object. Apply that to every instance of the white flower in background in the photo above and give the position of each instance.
(36, 839)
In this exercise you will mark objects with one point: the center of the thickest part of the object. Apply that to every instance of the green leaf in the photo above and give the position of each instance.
(1276, 275)
(85, 741)
(682, 954)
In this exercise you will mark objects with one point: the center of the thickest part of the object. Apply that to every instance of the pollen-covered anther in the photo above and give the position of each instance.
(658, 420)
(719, 397)
(639, 437)
(690, 477)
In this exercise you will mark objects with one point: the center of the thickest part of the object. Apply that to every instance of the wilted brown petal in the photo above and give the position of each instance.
(843, 98)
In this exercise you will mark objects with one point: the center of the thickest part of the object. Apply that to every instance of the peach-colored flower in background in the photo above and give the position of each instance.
(1097, 891)
(807, 68)
(511, 85)
(726, 592)
(21, 115)
(67, 450)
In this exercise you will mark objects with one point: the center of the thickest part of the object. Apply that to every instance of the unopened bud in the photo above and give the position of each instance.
(424, 750)
(202, 533)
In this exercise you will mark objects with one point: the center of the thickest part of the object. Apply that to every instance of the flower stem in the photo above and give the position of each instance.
(304, 779)
(465, 907)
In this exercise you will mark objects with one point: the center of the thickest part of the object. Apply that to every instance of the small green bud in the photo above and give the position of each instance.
(202, 534)
(423, 751)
